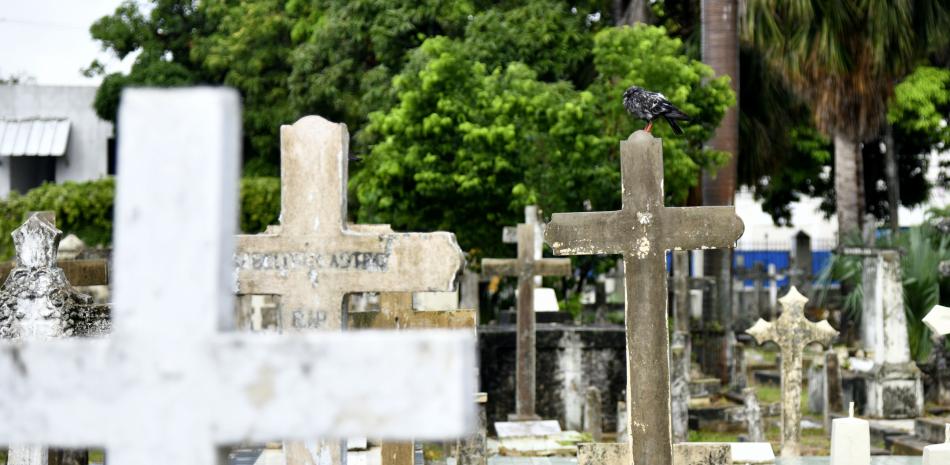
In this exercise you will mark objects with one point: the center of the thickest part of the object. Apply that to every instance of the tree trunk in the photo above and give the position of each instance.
(892, 179)
(720, 49)
(848, 191)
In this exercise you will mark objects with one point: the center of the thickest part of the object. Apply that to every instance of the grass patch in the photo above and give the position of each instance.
(97, 455)
(712, 436)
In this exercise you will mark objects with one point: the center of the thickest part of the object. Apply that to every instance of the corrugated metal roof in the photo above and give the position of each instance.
(34, 137)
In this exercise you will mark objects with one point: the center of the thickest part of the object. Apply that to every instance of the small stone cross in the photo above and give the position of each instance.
(168, 386)
(642, 231)
(525, 267)
(792, 332)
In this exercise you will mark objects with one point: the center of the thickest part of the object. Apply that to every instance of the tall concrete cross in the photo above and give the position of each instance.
(525, 267)
(396, 311)
(167, 386)
(792, 332)
(642, 231)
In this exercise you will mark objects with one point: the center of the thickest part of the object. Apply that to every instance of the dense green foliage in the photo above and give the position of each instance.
(85, 208)
(470, 143)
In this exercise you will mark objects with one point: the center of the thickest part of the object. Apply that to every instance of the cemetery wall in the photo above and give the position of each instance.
(569, 359)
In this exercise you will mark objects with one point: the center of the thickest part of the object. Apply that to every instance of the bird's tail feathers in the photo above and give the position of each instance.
(676, 128)
(676, 114)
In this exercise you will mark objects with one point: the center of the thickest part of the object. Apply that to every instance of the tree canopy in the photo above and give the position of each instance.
(470, 143)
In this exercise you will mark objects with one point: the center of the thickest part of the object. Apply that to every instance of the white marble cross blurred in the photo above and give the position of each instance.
(938, 320)
(167, 386)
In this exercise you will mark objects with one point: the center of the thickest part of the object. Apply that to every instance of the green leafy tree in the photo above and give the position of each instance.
(468, 144)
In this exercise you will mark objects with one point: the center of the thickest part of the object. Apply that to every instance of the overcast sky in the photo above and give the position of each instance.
(49, 39)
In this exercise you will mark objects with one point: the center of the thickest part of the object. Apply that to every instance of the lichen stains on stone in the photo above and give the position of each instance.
(644, 218)
(643, 248)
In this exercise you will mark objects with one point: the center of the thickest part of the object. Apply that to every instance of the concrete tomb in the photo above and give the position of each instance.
(938, 454)
(850, 440)
(792, 332)
(894, 387)
(168, 386)
(526, 267)
(642, 231)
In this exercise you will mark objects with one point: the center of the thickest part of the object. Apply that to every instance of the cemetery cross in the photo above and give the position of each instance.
(642, 231)
(315, 257)
(525, 267)
(167, 385)
(792, 332)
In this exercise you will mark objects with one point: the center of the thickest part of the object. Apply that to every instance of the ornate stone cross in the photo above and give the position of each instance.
(168, 386)
(525, 267)
(37, 302)
(642, 231)
(792, 332)
(396, 311)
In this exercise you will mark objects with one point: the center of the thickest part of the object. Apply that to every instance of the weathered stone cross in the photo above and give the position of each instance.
(525, 267)
(642, 231)
(396, 311)
(167, 386)
(314, 258)
(792, 332)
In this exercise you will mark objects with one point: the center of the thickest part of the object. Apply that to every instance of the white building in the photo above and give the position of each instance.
(51, 133)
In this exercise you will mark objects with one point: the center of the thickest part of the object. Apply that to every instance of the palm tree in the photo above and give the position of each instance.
(843, 57)
(720, 50)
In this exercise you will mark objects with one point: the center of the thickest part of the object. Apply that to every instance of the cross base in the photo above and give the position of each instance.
(618, 453)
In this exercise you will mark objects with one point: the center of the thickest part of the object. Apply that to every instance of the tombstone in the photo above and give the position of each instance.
(752, 416)
(470, 294)
(473, 450)
(679, 388)
(816, 386)
(894, 387)
(792, 332)
(38, 303)
(832, 394)
(593, 419)
(315, 257)
(400, 310)
(525, 267)
(167, 386)
(687, 453)
(623, 431)
(642, 231)
(800, 273)
(938, 320)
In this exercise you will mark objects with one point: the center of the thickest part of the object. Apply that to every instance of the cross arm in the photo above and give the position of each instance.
(552, 267)
(456, 319)
(572, 233)
(235, 387)
(762, 331)
(820, 332)
(499, 267)
(689, 228)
